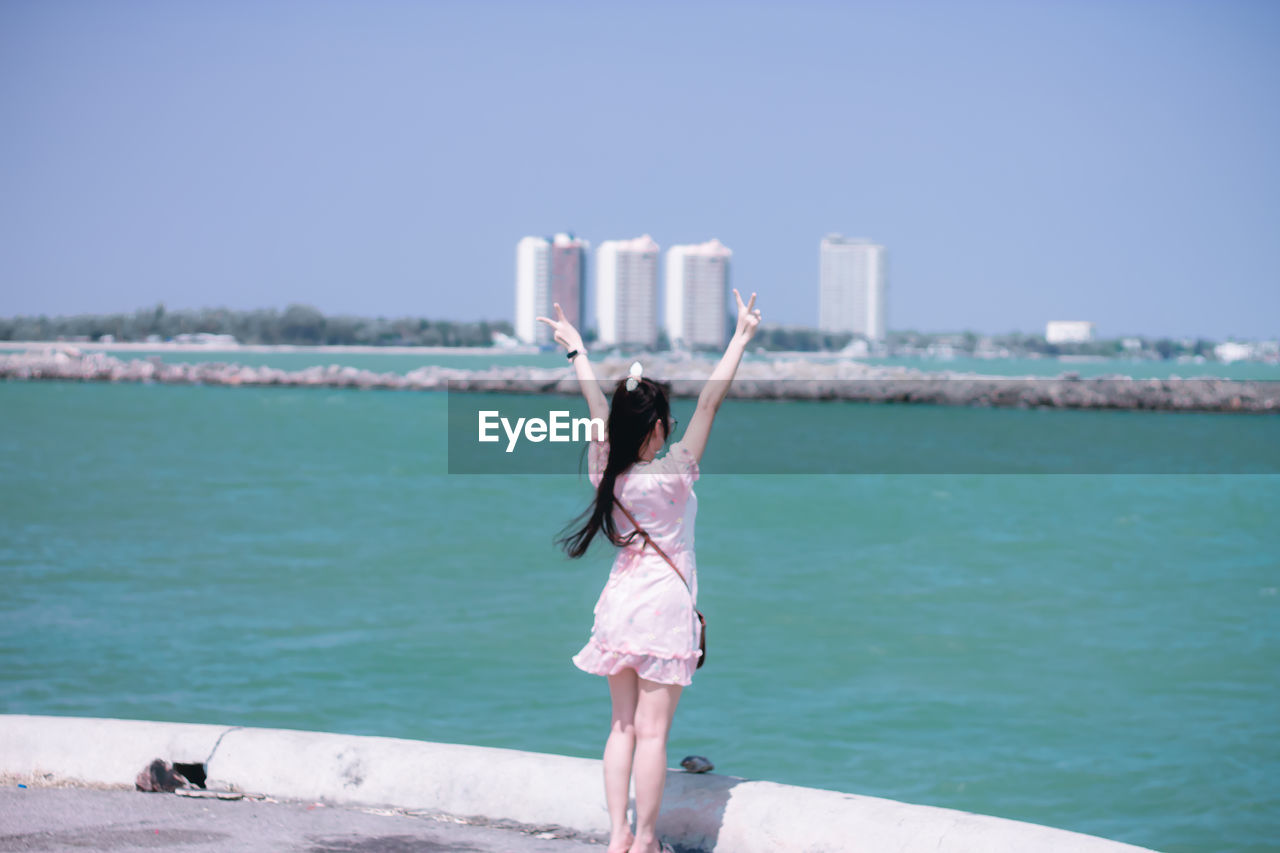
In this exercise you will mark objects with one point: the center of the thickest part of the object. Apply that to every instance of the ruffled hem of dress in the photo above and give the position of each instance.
(598, 660)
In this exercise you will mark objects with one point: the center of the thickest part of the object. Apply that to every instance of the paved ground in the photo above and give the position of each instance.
(79, 819)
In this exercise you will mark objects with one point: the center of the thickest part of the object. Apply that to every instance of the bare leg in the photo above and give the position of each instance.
(618, 749)
(654, 709)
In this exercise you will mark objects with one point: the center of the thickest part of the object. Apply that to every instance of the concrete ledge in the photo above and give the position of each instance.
(97, 752)
(704, 812)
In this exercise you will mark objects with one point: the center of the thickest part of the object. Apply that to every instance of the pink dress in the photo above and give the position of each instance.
(644, 619)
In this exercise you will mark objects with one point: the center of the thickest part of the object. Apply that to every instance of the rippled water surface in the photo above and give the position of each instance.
(1092, 652)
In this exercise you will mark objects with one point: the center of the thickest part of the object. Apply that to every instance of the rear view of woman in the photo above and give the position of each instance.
(646, 633)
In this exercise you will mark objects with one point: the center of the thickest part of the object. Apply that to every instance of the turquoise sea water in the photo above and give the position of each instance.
(1098, 653)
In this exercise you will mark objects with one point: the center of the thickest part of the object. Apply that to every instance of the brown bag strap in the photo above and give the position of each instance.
(649, 540)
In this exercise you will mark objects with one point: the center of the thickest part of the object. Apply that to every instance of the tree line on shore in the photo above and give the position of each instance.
(300, 325)
(304, 325)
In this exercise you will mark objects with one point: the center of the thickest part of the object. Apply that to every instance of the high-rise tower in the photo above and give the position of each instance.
(549, 271)
(698, 295)
(627, 292)
(852, 294)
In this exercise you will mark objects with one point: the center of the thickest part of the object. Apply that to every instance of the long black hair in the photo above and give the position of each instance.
(632, 417)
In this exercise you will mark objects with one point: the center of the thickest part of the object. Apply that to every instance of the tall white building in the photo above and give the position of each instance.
(627, 292)
(533, 255)
(549, 271)
(852, 293)
(698, 295)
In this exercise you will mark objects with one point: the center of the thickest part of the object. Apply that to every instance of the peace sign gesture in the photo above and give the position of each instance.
(565, 334)
(748, 316)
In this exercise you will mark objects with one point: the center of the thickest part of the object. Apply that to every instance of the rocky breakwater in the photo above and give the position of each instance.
(777, 379)
(68, 363)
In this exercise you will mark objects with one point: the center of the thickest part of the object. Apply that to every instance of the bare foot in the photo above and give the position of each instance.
(621, 844)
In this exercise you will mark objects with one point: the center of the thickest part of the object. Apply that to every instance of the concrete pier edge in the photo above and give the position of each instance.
(707, 812)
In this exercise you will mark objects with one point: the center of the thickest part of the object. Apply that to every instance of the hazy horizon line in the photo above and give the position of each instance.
(493, 321)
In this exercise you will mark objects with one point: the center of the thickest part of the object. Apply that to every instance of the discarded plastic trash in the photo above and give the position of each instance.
(212, 795)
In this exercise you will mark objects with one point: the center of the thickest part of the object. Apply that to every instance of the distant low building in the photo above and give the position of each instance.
(1231, 351)
(207, 339)
(856, 348)
(504, 341)
(1068, 331)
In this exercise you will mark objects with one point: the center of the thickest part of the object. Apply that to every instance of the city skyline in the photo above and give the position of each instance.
(691, 304)
(1025, 163)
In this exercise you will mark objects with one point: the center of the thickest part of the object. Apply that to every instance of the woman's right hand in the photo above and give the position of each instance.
(565, 334)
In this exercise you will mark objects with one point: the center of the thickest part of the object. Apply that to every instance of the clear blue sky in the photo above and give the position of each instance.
(1109, 160)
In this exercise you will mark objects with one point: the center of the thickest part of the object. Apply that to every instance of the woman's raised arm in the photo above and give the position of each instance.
(713, 393)
(567, 336)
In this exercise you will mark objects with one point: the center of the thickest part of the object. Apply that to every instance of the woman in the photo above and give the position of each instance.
(646, 635)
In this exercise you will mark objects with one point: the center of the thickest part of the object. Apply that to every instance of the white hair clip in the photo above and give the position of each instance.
(634, 379)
